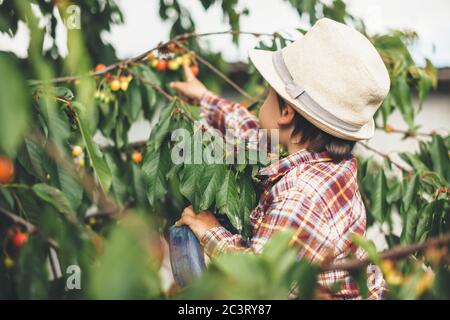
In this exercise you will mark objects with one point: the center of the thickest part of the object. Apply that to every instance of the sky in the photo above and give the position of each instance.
(143, 28)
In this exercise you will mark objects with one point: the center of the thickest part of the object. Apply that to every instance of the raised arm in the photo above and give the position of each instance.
(223, 114)
(218, 112)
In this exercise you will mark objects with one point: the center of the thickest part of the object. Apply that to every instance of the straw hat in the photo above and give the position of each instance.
(333, 76)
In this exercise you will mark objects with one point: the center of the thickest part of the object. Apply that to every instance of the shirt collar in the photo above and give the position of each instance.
(284, 165)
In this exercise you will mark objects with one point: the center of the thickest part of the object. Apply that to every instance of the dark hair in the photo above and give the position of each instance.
(338, 149)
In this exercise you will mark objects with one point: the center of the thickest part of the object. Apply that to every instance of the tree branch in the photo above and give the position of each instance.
(142, 56)
(407, 133)
(220, 74)
(396, 252)
(385, 156)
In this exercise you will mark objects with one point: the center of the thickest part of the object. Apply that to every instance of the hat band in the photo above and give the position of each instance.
(310, 105)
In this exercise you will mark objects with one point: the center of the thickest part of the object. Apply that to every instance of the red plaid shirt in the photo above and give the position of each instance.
(305, 191)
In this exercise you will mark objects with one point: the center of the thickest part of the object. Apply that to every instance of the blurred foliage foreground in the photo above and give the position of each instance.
(71, 207)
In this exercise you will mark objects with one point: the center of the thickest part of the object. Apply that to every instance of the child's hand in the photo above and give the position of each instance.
(191, 88)
(199, 223)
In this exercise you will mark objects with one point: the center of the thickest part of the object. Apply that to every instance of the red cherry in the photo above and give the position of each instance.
(6, 170)
(100, 67)
(161, 65)
(195, 70)
(19, 238)
(389, 128)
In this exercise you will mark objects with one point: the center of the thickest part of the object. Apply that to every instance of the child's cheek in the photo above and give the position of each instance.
(262, 115)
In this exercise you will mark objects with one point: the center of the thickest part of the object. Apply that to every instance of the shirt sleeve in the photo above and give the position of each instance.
(225, 115)
(293, 210)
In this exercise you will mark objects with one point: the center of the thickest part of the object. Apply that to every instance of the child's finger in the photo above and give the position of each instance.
(188, 211)
(184, 220)
(188, 72)
(177, 85)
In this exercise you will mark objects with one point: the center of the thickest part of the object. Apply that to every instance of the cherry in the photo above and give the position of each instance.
(136, 157)
(154, 62)
(6, 170)
(8, 262)
(100, 67)
(161, 65)
(173, 65)
(179, 59)
(19, 238)
(389, 128)
(186, 59)
(115, 84)
(150, 56)
(195, 70)
(76, 151)
(124, 82)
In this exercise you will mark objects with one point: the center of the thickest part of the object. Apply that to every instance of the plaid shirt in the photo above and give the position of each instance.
(305, 191)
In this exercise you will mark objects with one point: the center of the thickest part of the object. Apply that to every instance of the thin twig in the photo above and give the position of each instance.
(29, 227)
(255, 34)
(124, 63)
(220, 74)
(396, 252)
(153, 85)
(16, 219)
(407, 133)
(384, 155)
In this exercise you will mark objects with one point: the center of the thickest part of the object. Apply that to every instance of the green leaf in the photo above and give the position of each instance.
(424, 222)
(138, 185)
(440, 157)
(124, 269)
(99, 164)
(110, 120)
(160, 131)
(189, 179)
(56, 119)
(32, 274)
(402, 95)
(227, 200)
(368, 246)
(409, 230)
(70, 187)
(14, 105)
(134, 101)
(247, 201)
(209, 184)
(119, 185)
(378, 202)
(414, 161)
(147, 73)
(154, 169)
(54, 197)
(306, 276)
(394, 193)
(411, 192)
(33, 159)
(62, 92)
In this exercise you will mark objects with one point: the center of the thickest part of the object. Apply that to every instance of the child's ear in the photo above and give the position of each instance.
(287, 116)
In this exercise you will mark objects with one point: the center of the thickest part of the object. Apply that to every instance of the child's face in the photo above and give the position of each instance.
(271, 117)
(269, 113)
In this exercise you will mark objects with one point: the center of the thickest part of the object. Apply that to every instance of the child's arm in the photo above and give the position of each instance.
(219, 113)
(292, 210)
(227, 115)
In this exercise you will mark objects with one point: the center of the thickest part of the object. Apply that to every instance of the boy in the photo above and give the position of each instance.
(324, 90)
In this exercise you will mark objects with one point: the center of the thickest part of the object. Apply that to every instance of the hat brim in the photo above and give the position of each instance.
(262, 59)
